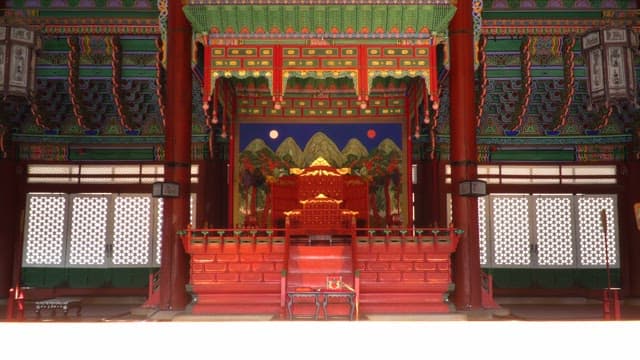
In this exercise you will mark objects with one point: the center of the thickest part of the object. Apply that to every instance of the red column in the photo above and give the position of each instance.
(463, 158)
(630, 233)
(173, 271)
(9, 226)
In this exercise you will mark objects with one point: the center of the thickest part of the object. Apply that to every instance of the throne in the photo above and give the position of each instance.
(320, 217)
(320, 200)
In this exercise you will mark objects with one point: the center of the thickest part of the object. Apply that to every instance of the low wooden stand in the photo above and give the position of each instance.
(320, 300)
(63, 303)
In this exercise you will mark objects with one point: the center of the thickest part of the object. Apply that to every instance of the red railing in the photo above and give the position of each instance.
(200, 240)
(445, 239)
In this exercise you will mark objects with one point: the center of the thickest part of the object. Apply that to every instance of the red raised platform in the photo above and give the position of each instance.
(251, 271)
(390, 270)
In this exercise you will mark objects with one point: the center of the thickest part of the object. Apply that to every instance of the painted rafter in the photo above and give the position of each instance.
(569, 83)
(484, 80)
(160, 81)
(525, 95)
(73, 64)
(116, 84)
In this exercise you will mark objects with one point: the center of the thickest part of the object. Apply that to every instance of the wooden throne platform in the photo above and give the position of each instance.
(284, 270)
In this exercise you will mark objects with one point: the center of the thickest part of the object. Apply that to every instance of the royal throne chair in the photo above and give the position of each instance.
(320, 202)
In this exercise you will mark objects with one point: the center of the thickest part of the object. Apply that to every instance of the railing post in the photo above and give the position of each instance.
(611, 304)
(10, 301)
(606, 305)
(616, 305)
(356, 287)
(283, 293)
(15, 304)
(150, 285)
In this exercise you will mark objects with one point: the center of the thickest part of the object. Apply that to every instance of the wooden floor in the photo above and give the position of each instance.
(106, 332)
(512, 309)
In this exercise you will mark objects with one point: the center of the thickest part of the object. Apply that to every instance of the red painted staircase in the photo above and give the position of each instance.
(309, 265)
(308, 268)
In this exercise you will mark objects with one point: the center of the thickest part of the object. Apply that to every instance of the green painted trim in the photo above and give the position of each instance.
(503, 45)
(55, 44)
(146, 73)
(508, 45)
(86, 278)
(532, 155)
(140, 154)
(139, 45)
(542, 72)
(546, 140)
(93, 72)
(582, 14)
(553, 278)
(97, 14)
(52, 72)
(91, 139)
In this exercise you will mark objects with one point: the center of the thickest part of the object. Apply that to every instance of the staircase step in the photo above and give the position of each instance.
(324, 252)
(326, 266)
(409, 308)
(315, 280)
(239, 299)
(230, 309)
(309, 266)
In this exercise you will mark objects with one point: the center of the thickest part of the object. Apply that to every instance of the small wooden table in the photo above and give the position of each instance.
(320, 299)
(348, 296)
(299, 297)
(61, 303)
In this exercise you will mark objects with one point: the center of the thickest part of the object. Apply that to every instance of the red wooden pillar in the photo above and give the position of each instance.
(174, 267)
(428, 200)
(9, 226)
(467, 270)
(630, 233)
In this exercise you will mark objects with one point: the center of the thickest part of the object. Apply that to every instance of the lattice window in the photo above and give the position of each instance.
(88, 238)
(91, 230)
(548, 230)
(511, 235)
(591, 225)
(131, 230)
(554, 230)
(159, 219)
(482, 230)
(44, 234)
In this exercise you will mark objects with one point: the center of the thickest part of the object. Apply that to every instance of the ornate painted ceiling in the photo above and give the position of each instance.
(100, 71)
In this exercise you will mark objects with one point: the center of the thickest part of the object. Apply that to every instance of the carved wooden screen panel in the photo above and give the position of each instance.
(356, 198)
(310, 186)
(284, 197)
